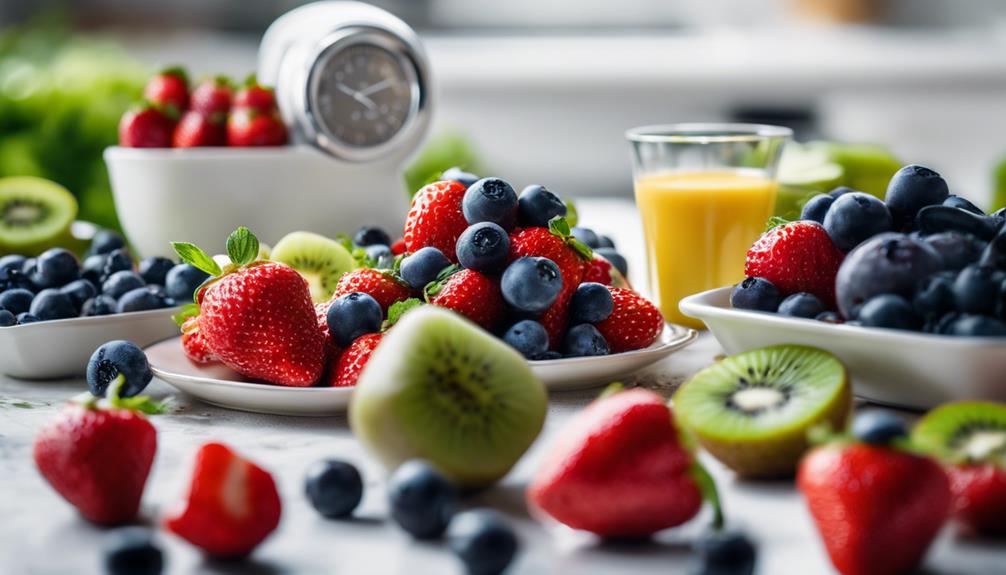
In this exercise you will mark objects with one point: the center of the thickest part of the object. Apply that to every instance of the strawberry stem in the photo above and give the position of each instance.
(709, 492)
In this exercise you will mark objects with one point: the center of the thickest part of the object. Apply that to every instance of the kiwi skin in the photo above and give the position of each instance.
(420, 396)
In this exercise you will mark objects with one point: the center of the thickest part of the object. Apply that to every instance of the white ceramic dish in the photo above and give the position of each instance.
(220, 386)
(912, 370)
(57, 349)
(200, 195)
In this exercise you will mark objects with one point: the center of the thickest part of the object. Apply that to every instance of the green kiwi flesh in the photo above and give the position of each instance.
(322, 261)
(440, 388)
(753, 410)
(34, 214)
(964, 432)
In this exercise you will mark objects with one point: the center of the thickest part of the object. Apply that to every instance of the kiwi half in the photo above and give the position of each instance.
(964, 432)
(441, 389)
(321, 261)
(752, 410)
(34, 214)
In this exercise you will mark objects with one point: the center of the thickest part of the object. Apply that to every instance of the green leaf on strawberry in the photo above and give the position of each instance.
(398, 309)
(194, 256)
(242, 246)
(187, 311)
(560, 228)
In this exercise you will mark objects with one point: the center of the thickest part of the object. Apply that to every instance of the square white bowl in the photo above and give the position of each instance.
(905, 369)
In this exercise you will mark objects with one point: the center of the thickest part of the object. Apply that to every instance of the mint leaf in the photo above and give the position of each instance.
(142, 404)
(242, 246)
(582, 249)
(572, 217)
(774, 222)
(559, 227)
(192, 255)
(398, 309)
(187, 311)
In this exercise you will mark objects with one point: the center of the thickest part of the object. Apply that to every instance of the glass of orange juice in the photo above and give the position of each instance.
(704, 192)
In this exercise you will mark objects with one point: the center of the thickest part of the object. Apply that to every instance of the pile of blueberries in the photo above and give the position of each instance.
(56, 285)
(921, 260)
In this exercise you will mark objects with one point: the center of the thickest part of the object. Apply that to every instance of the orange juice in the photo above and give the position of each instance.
(699, 226)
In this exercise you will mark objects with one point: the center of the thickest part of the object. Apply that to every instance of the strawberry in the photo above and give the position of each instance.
(435, 218)
(257, 317)
(877, 508)
(196, 130)
(398, 248)
(254, 96)
(194, 343)
(797, 257)
(471, 294)
(212, 98)
(248, 127)
(169, 89)
(601, 271)
(380, 285)
(979, 496)
(634, 322)
(621, 469)
(98, 458)
(572, 256)
(352, 361)
(231, 506)
(146, 127)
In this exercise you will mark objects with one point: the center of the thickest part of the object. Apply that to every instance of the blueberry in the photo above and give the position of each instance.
(50, 304)
(587, 236)
(531, 284)
(79, 291)
(422, 500)
(536, 206)
(840, 191)
(828, 317)
(93, 268)
(890, 311)
(182, 282)
(483, 540)
(934, 297)
(604, 241)
(144, 298)
(422, 267)
(999, 217)
(456, 174)
(547, 356)
(911, 189)
(962, 203)
(382, 255)
(490, 200)
(801, 304)
(29, 266)
(615, 258)
(756, 294)
(584, 340)
(17, 300)
(118, 358)
(956, 249)
(528, 337)
(99, 305)
(121, 282)
(353, 315)
(117, 261)
(816, 208)
(132, 551)
(155, 270)
(55, 268)
(333, 487)
(483, 247)
(7, 319)
(936, 219)
(10, 262)
(105, 242)
(725, 553)
(854, 218)
(976, 290)
(591, 303)
(974, 326)
(26, 318)
(878, 427)
(371, 235)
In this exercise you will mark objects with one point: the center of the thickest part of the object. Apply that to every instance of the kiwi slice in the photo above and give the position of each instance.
(964, 432)
(753, 410)
(441, 389)
(321, 261)
(34, 214)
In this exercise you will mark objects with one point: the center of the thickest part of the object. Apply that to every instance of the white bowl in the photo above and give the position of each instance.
(58, 349)
(905, 369)
(200, 195)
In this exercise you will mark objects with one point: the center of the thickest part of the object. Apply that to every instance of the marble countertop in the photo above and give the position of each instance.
(41, 534)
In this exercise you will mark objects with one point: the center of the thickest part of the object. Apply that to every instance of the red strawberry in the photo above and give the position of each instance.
(254, 96)
(212, 98)
(170, 88)
(231, 506)
(619, 469)
(195, 130)
(979, 497)
(98, 460)
(321, 314)
(435, 218)
(352, 361)
(258, 318)
(146, 127)
(194, 343)
(398, 248)
(380, 285)
(877, 508)
(634, 322)
(470, 294)
(797, 257)
(601, 271)
(248, 127)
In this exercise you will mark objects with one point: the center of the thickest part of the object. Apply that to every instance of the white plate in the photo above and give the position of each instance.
(913, 370)
(58, 349)
(220, 386)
